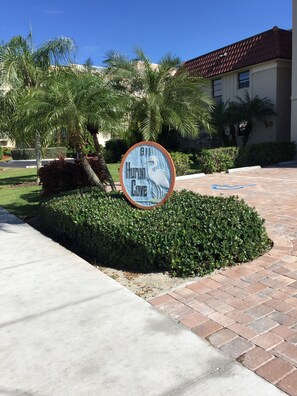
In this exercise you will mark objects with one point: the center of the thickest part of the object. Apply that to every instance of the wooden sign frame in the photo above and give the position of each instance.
(171, 168)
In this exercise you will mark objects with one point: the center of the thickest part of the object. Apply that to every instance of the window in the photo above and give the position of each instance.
(244, 79)
(217, 89)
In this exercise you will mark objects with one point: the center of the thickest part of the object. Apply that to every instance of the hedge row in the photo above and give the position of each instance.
(221, 159)
(189, 235)
(29, 153)
(182, 162)
(1, 153)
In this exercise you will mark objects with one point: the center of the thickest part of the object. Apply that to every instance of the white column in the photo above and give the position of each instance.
(294, 76)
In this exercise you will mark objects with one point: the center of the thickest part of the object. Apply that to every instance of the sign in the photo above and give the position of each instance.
(147, 175)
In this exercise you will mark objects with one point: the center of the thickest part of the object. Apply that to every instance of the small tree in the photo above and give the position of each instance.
(80, 103)
(250, 110)
(24, 69)
(161, 95)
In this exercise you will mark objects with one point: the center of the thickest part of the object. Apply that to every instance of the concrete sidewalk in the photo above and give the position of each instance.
(68, 329)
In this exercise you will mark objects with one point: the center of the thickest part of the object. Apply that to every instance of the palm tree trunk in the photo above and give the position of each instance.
(233, 135)
(38, 153)
(94, 133)
(247, 133)
(93, 178)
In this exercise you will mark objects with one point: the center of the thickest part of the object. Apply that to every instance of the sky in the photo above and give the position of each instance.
(186, 28)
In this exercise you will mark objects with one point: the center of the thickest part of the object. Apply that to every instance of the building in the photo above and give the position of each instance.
(260, 65)
(294, 77)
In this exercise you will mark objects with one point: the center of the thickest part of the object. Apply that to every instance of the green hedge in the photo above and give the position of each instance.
(218, 159)
(190, 234)
(221, 159)
(114, 150)
(29, 153)
(1, 153)
(182, 162)
(267, 153)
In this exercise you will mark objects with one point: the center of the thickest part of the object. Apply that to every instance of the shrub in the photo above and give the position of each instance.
(23, 154)
(267, 153)
(189, 235)
(182, 162)
(60, 176)
(70, 152)
(221, 159)
(7, 150)
(1, 153)
(217, 160)
(55, 152)
(29, 153)
(114, 150)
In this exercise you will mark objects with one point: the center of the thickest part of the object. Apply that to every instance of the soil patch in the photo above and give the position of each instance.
(146, 285)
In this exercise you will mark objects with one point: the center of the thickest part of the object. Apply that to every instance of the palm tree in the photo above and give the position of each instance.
(24, 69)
(220, 119)
(250, 110)
(161, 95)
(79, 102)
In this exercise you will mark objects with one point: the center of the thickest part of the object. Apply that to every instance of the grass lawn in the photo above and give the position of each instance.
(19, 197)
(114, 169)
(16, 194)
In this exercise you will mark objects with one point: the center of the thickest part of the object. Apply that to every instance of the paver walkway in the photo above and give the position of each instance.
(250, 311)
(67, 329)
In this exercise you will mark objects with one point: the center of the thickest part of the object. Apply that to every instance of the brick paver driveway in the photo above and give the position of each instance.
(250, 311)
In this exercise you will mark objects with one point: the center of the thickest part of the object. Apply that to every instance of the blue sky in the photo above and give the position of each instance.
(187, 28)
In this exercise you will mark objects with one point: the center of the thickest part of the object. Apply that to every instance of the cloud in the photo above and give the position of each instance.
(53, 12)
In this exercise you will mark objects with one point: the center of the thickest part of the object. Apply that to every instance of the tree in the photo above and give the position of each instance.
(80, 102)
(226, 116)
(250, 110)
(161, 95)
(24, 69)
(245, 112)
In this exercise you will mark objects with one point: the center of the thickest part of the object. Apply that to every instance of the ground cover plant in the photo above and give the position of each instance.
(190, 235)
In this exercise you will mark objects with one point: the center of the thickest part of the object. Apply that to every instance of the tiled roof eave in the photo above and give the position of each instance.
(270, 45)
(241, 68)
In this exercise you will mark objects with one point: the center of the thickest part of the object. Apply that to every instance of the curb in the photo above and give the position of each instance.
(43, 159)
(194, 176)
(244, 169)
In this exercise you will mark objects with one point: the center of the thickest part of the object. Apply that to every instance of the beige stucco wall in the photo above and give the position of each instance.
(103, 138)
(6, 143)
(272, 80)
(282, 107)
(230, 87)
(264, 84)
(294, 77)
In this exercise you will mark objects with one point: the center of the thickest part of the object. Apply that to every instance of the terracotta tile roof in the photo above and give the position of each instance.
(273, 44)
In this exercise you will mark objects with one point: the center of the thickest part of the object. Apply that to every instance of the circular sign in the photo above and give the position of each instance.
(147, 175)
